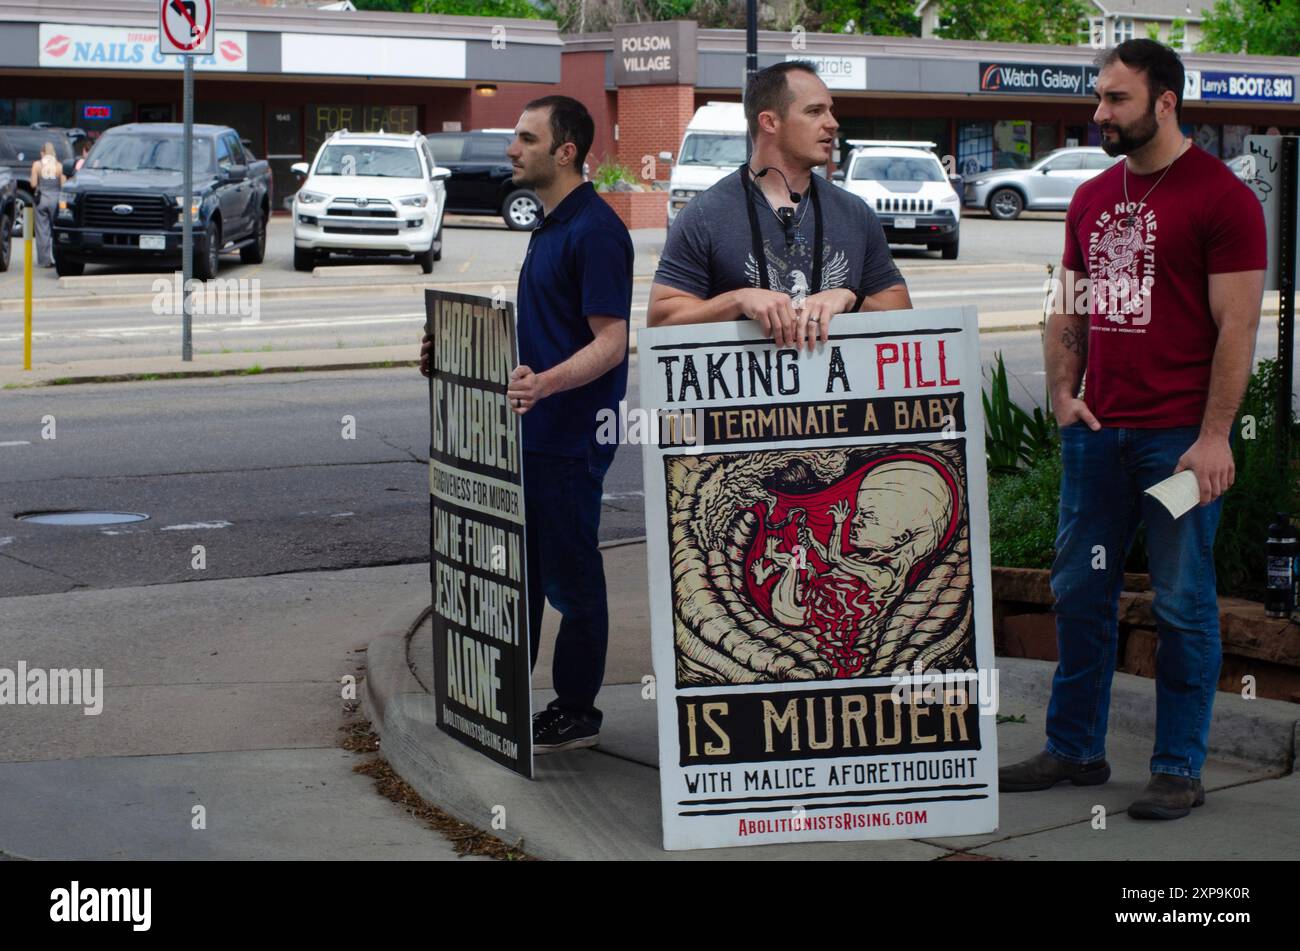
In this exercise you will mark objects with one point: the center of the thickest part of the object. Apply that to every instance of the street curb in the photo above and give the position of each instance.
(307, 292)
(198, 374)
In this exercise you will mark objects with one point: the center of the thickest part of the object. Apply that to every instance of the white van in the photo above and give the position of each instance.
(712, 148)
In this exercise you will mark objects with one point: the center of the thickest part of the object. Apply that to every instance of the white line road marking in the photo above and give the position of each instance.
(16, 442)
(193, 526)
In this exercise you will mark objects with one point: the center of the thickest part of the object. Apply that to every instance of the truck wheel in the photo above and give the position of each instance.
(521, 210)
(255, 253)
(304, 259)
(426, 258)
(20, 202)
(6, 242)
(208, 263)
(1005, 204)
(65, 268)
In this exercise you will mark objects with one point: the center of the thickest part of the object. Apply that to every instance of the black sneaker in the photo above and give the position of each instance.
(555, 730)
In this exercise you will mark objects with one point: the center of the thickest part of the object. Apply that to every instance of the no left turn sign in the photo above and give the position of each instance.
(186, 27)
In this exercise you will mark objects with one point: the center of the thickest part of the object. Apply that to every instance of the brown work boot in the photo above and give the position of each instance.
(1168, 797)
(1045, 771)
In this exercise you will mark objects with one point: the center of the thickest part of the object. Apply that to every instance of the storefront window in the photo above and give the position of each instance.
(96, 115)
(1044, 138)
(1207, 137)
(1234, 140)
(57, 112)
(6, 112)
(323, 120)
(1011, 144)
(974, 147)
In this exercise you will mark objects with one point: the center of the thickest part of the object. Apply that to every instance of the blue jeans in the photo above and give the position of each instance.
(1102, 503)
(562, 507)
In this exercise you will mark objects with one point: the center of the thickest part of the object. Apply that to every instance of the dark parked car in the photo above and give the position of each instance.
(20, 146)
(480, 177)
(125, 203)
(8, 208)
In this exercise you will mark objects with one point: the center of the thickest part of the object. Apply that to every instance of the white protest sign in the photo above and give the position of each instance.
(817, 544)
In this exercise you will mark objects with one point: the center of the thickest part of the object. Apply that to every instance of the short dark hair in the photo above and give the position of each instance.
(1163, 68)
(570, 122)
(768, 91)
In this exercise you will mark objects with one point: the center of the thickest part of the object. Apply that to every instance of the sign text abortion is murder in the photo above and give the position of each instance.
(473, 424)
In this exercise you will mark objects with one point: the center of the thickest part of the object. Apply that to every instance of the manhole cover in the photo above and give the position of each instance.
(82, 518)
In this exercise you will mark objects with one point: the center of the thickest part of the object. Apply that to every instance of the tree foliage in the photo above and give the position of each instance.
(1056, 22)
(878, 17)
(1262, 27)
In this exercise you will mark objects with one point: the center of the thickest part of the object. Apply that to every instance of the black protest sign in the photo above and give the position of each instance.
(476, 532)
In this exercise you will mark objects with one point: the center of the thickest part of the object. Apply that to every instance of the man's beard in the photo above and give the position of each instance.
(1128, 139)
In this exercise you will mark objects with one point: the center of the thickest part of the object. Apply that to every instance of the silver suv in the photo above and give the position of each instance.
(1047, 185)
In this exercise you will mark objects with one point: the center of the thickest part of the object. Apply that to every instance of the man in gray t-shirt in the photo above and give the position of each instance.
(713, 269)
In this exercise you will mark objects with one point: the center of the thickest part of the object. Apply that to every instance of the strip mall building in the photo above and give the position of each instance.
(286, 77)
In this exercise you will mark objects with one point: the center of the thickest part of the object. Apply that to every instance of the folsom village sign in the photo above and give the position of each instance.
(648, 54)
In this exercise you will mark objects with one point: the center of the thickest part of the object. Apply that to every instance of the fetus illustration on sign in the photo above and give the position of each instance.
(819, 564)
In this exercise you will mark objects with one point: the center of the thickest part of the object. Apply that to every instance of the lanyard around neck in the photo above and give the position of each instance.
(760, 256)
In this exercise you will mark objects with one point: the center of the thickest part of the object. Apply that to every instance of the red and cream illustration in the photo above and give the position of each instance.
(818, 564)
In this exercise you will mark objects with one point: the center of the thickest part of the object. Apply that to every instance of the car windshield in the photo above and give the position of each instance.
(882, 168)
(378, 161)
(131, 153)
(703, 148)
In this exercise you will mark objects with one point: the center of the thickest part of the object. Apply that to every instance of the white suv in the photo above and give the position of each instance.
(906, 186)
(370, 194)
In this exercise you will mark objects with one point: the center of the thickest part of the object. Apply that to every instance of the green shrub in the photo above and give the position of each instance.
(1262, 488)
(1023, 500)
(1022, 514)
(1012, 437)
(610, 173)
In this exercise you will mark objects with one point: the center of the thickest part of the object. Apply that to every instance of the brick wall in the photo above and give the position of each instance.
(652, 119)
(582, 75)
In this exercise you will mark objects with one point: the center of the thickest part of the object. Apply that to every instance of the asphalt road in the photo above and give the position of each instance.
(1002, 269)
(257, 470)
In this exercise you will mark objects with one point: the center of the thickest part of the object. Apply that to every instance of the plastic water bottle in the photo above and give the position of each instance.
(1283, 558)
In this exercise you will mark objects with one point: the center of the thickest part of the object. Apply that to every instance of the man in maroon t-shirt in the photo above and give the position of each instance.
(1164, 273)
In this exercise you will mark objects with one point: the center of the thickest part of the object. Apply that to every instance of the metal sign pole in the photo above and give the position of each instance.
(751, 58)
(187, 198)
(1286, 278)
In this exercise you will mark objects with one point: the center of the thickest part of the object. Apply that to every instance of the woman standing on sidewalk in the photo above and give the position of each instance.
(47, 183)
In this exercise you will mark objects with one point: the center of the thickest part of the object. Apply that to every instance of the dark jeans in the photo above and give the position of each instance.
(1102, 501)
(562, 506)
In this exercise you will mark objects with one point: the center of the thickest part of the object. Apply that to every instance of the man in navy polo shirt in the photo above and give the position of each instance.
(574, 303)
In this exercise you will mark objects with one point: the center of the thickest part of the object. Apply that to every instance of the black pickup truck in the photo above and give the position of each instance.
(8, 208)
(124, 205)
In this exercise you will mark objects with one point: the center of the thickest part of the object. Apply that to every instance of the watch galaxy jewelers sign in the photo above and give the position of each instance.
(1037, 79)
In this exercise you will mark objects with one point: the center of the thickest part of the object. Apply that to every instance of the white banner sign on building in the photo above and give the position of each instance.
(71, 46)
(817, 538)
(372, 56)
(837, 72)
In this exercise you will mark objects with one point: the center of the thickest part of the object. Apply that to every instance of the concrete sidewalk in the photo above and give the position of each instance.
(224, 695)
(604, 803)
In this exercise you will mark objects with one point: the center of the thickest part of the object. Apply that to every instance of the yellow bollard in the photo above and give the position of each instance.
(29, 214)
